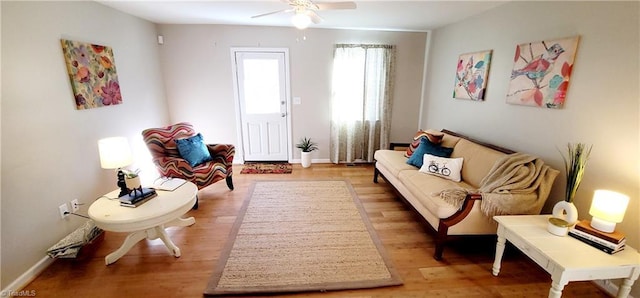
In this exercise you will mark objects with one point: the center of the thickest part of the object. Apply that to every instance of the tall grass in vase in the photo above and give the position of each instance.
(575, 163)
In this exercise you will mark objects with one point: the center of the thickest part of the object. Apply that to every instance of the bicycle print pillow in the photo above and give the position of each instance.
(448, 168)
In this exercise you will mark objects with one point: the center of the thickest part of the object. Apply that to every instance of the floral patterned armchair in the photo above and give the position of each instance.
(166, 157)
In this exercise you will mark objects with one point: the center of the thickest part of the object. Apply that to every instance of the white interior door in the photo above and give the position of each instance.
(262, 93)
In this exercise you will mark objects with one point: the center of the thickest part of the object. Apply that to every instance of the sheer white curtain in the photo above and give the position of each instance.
(362, 85)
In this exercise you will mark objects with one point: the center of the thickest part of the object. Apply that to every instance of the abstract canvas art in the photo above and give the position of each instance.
(541, 72)
(471, 75)
(92, 73)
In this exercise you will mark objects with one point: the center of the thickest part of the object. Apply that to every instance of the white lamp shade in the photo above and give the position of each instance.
(301, 20)
(114, 152)
(609, 205)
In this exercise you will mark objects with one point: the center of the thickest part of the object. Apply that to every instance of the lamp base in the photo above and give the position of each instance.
(122, 184)
(602, 225)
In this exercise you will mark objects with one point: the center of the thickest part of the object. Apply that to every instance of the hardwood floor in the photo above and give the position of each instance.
(148, 270)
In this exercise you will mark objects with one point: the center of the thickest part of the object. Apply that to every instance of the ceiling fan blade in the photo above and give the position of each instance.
(336, 5)
(270, 13)
(315, 18)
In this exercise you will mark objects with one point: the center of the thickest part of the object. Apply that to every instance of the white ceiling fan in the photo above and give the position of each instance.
(305, 11)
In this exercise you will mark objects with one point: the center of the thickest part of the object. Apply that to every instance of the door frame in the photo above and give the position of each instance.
(239, 157)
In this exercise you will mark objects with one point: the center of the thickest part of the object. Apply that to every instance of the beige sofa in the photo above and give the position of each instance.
(419, 189)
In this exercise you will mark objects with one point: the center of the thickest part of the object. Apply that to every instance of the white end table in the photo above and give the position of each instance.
(565, 258)
(145, 221)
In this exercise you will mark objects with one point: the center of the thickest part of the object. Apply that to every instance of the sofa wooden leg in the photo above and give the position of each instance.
(445, 223)
(439, 249)
(229, 182)
(441, 239)
(376, 172)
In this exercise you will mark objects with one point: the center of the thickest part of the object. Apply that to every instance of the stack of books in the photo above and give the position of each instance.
(608, 242)
(138, 198)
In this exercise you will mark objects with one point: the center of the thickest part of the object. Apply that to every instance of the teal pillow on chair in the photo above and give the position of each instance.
(193, 150)
(427, 147)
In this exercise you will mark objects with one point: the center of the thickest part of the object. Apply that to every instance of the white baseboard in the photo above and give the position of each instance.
(324, 160)
(27, 277)
(609, 287)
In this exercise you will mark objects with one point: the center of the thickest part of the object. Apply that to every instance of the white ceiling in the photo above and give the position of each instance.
(379, 15)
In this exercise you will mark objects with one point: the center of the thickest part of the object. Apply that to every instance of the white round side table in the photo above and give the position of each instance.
(145, 221)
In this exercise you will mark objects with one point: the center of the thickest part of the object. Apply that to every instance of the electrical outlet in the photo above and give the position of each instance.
(63, 209)
(74, 205)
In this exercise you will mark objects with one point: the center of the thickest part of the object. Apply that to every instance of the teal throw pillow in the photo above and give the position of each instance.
(193, 150)
(427, 147)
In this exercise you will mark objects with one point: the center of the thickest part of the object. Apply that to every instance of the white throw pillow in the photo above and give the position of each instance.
(448, 168)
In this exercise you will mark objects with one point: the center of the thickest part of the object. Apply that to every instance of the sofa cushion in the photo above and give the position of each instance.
(424, 186)
(427, 147)
(447, 168)
(393, 160)
(449, 141)
(478, 160)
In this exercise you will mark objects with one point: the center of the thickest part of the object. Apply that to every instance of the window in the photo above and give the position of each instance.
(361, 101)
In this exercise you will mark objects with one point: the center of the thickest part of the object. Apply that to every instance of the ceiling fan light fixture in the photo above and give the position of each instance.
(301, 20)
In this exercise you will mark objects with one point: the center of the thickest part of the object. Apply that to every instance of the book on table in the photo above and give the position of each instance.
(607, 242)
(597, 245)
(585, 226)
(135, 199)
(168, 183)
(595, 239)
(139, 202)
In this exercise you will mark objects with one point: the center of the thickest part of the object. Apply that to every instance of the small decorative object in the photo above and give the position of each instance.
(565, 211)
(574, 163)
(306, 146)
(541, 72)
(471, 75)
(92, 72)
(132, 181)
(607, 208)
(558, 227)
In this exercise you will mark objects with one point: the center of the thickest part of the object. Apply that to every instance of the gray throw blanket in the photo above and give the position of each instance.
(516, 184)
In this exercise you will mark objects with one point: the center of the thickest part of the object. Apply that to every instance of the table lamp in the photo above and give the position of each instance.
(607, 209)
(115, 154)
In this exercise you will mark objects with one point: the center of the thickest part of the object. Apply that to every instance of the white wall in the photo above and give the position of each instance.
(197, 71)
(603, 99)
(49, 149)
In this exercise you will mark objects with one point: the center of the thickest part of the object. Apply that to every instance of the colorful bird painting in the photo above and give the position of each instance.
(471, 75)
(541, 73)
(539, 67)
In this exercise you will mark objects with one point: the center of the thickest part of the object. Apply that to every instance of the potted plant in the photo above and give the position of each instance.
(306, 146)
(132, 180)
(574, 163)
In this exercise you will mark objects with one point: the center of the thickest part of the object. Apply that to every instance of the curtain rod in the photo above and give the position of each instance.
(366, 46)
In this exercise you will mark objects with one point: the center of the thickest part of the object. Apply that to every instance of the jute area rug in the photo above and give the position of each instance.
(266, 168)
(295, 236)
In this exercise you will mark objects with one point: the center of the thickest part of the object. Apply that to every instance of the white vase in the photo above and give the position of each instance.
(132, 183)
(305, 159)
(566, 211)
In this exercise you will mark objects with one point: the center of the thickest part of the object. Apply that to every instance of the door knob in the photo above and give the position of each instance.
(284, 114)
